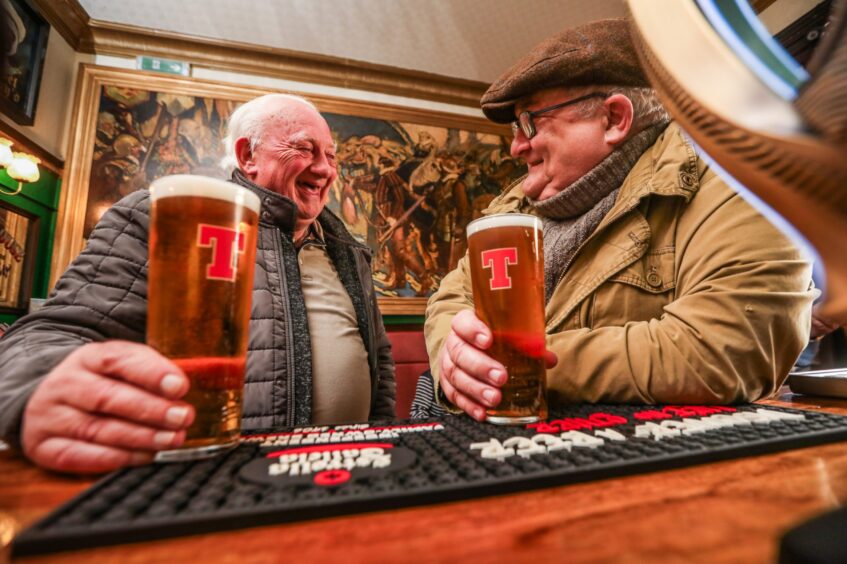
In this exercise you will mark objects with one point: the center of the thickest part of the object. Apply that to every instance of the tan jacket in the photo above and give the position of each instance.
(683, 294)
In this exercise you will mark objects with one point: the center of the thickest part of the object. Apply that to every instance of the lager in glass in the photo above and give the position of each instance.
(200, 281)
(506, 257)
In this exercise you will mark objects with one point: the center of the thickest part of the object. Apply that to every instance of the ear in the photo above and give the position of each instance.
(619, 116)
(245, 157)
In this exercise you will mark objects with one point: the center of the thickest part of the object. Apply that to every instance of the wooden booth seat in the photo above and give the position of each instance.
(409, 351)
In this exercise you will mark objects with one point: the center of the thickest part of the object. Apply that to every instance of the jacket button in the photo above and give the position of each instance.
(654, 279)
(266, 214)
(686, 178)
(267, 200)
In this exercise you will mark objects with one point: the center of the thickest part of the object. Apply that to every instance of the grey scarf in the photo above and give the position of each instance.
(573, 214)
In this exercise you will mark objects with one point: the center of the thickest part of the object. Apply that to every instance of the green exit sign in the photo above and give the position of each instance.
(168, 66)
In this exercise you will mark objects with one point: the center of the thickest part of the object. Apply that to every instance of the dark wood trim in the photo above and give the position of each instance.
(70, 20)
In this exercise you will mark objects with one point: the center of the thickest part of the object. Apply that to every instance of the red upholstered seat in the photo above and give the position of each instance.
(409, 351)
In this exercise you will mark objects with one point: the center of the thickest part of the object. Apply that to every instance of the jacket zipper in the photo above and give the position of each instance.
(371, 345)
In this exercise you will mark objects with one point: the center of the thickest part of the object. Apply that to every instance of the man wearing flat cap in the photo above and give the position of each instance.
(662, 284)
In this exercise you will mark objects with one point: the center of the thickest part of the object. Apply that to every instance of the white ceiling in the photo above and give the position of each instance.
(470, 39)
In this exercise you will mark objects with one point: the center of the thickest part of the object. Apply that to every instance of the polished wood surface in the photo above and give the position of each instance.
(727, 511)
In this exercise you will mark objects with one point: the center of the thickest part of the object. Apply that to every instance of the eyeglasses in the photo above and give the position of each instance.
(525, 124)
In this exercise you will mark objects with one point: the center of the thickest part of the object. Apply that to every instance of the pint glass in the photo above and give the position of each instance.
(200, 281)
(506, 257)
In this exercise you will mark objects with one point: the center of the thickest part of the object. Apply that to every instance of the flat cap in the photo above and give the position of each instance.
(596, 53)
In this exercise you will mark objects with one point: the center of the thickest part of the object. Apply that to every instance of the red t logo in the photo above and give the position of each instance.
(498, 260)
(226, 243)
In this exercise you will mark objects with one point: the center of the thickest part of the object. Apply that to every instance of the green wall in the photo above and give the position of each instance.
(39, 199)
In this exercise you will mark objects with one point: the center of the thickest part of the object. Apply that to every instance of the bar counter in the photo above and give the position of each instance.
(728, 511)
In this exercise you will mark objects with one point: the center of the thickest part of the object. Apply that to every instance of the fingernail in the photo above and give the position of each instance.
(481, 340)
(489, 396)
(171, 384)
(140, 458)
(497, 376)
(479, 414)
(164, 438)
(176, 415)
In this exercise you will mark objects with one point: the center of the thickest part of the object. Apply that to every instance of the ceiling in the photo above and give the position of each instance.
(469, 39)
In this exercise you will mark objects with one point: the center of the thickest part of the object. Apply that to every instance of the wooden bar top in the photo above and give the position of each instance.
(727, 511)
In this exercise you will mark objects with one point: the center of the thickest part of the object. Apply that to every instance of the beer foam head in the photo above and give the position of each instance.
(203, 186)
(504, 220)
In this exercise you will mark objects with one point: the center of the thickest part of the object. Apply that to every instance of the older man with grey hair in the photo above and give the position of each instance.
(662, 285)
(80, 392)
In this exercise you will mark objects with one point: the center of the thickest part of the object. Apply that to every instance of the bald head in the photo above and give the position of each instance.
(252, 119)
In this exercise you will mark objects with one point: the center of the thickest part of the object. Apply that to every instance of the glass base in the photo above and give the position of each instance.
(193, 453)
(512, 420)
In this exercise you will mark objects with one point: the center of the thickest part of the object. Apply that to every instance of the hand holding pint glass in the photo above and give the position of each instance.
(201, 259)
(506, 257)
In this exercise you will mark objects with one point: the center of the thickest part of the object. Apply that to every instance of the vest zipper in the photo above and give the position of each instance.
(289, 341)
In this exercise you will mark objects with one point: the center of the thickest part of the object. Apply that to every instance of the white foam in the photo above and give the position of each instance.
(204, 186)
(504, 220)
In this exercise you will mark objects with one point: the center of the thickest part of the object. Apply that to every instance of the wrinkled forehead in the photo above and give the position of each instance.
(300, 123)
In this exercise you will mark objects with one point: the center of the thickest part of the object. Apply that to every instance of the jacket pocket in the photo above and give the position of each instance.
(637, 293)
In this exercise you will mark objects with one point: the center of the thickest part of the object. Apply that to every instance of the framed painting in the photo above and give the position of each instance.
(24, 60)
(18, 244)
(409, 180)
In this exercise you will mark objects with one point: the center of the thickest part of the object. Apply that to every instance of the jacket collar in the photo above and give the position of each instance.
(667, 168)
(281, 212)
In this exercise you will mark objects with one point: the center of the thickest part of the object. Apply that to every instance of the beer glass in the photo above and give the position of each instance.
(200, 280)
(506, 257)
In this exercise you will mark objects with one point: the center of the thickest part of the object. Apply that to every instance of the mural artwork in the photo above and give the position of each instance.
(405, 189)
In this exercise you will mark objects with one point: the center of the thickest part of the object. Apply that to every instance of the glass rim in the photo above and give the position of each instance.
(503, 220)
(203, 186)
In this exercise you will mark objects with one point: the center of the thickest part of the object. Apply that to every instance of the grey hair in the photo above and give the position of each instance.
(250, 120)
(647, 110)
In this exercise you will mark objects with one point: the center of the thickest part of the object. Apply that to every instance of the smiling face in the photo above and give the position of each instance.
(295, 157)
(565, 145)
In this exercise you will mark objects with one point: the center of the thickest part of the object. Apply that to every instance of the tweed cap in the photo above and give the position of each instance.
(596, 53)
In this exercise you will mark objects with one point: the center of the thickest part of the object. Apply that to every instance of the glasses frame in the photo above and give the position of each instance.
(526, 125)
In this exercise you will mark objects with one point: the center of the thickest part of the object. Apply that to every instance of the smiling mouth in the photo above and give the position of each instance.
(310, 188)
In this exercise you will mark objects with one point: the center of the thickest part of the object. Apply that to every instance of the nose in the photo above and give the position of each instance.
(520, 144)
(322, 166)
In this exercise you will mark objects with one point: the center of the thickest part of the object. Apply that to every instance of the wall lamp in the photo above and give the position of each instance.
(22, 167)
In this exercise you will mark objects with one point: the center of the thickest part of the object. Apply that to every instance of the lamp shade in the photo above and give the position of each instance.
(24, 167)
(5, 152)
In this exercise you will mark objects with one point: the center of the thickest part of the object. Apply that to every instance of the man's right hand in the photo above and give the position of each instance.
(470, 379)
(107, 405)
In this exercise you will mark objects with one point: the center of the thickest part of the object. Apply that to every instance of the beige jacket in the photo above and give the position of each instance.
(683, 294)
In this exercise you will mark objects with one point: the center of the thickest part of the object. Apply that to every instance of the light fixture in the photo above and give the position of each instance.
(22, 167)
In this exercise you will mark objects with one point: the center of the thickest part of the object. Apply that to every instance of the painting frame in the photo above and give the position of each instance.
(93, 78)
(17, 282)
(19, 100)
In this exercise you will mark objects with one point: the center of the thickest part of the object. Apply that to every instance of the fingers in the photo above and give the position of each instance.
(550, 359)
(116, 398)
(459, 399)
(471, 329)
(106, 405)
(473, 361)
(470, 378)
(69, 455)
(71, 423)
(137, 364)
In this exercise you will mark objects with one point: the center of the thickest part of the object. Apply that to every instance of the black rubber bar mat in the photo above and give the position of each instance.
(315, 472)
